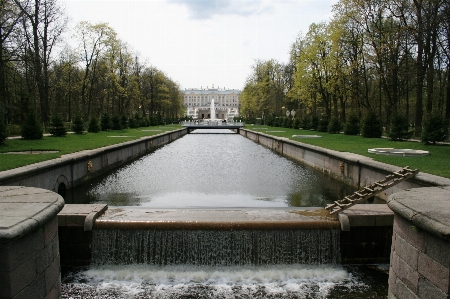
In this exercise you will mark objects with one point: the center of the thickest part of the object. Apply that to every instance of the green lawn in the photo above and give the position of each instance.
(438, 162)
(69, 144)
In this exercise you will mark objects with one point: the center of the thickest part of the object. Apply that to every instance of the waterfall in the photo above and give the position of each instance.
(215, 248)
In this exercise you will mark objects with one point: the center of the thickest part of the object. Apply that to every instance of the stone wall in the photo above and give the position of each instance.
(29, 263)
(74, 169)
(420, 254)
(355, 170)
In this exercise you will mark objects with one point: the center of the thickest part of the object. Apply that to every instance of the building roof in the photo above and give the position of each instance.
(211, 91)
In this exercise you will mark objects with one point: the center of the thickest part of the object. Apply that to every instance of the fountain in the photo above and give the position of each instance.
(213, 110)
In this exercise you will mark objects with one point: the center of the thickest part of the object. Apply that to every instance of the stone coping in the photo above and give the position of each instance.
(422, 177)
(427, 208)
(25, 209)
(366, 215)
(140, 218)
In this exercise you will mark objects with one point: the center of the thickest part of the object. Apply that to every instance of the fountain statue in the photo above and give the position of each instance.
(213, 110)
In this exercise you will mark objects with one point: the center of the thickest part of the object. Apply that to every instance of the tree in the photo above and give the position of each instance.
(372, 127)
(31, 129)
(94, 126)
(57, 127)
(435, 129)
(77, 124)
(352, 127)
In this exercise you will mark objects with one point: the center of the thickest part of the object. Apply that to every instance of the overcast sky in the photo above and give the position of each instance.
(198, 43)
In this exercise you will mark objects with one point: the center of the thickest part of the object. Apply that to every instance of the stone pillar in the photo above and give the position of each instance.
(420, 254)
(29, 251)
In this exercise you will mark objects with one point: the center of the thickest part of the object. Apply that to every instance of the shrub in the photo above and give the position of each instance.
(297, 123)
(323, 125)
(314, 122)
(3, 134)
(116, 122)
(124, 121)
(77, 124)
(105, 122)
(144, 122)
(31, 129)
(334, 127)
(372, 127)
(352, 127)
(306, 123)
(434, 129)
(94, 126)
(399, 128)
(132, 123)
(57, 127)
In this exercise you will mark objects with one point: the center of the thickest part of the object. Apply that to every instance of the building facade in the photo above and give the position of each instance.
(198, 103)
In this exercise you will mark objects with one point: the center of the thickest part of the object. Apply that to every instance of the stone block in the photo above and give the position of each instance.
(409, 232)
(438, 250)
(35, 290)
(403, 292)
(51, 230)
(436, 273)
(427, 290)
(44, 258)
(405, 273)
(406, 251)
(22, 276)
(52, 274)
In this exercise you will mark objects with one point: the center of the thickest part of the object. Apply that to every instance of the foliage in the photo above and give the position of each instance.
(78, 124)
(334, 127)
(31, 129)
(57, 127)
(435, 129)
(372, 127)
(116, 122)
(3, 133)
(323, 125)
(297, 123)
(94, 126)
(124, 121)
(105, 122)
(132, 123)
(399, 128)
(314, 124)
(352, 127)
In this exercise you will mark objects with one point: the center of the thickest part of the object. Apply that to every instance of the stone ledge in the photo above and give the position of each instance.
(427, 208)
(24, 209)
(80, 215)
(366, 215)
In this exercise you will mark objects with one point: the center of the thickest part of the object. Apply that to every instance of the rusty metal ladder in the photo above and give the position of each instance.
(371, 190)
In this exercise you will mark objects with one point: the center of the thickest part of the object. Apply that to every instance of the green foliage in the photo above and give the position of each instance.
(372, 127)
(306, 123)
(352, 126)
(399, 129)
(287, 122)
(116, 122)
(434, 129)
(334, 127)
(57, 127)
(297, 123)
(124, 121)
(3, 134)
(31, 128)
(105, 122)
(94, 126)
(78, 124)
(314, 124)
(144, 122)
(132, 123)
(323, 125)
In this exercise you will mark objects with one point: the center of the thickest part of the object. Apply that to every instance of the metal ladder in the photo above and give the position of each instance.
(369, 191)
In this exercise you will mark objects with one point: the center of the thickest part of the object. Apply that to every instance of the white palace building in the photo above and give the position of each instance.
(198, 103)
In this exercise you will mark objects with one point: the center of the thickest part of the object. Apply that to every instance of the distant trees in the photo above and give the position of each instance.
(99, 76)
(391, 58)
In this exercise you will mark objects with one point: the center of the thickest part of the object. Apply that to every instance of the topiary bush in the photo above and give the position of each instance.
(3, 133)
(78, 124)
(297, 123)
(434, 129)
(323, 125)
(105, 122)
(94, 126)
(31, 128)
(372, 127)
(124, 121)
(314, 124)
(399, 129)
(352, 126)
(116, 123)
(334, 127)
(57, 127)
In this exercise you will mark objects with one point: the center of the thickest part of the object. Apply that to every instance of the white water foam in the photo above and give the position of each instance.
(218, 282)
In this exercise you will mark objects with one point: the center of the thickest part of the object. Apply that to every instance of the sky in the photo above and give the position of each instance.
(198, 43)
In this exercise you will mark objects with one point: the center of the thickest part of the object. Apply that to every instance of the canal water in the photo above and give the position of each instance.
(212, 169)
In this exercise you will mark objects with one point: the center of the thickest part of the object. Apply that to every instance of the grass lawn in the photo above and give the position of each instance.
(69, 144)
(437, 163)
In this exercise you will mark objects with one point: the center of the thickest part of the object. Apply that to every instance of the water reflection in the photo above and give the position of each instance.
(212, 170)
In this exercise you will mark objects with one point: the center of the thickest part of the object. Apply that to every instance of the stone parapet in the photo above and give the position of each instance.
(29, 251)
(420, 253)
